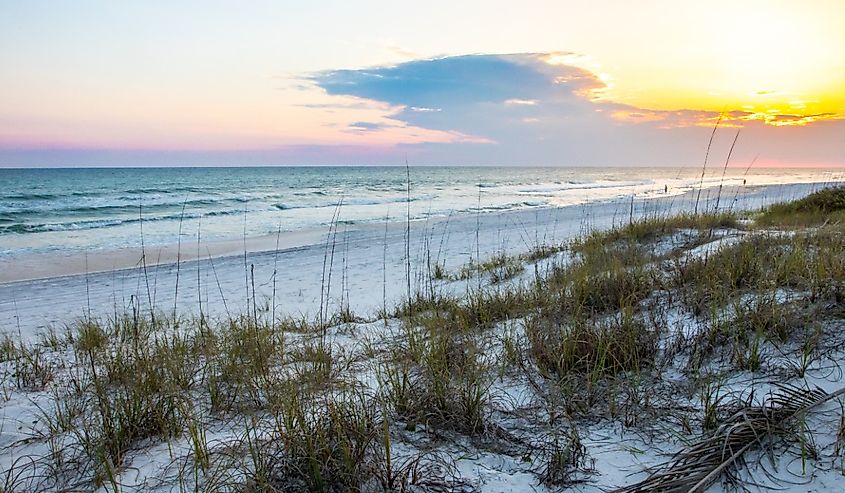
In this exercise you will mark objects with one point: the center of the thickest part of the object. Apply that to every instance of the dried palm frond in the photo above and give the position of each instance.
(698, 466)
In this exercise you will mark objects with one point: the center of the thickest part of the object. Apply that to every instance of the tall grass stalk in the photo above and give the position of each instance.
(704, 166)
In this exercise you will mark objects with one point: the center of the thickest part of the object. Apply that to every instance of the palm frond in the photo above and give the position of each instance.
(698, 466)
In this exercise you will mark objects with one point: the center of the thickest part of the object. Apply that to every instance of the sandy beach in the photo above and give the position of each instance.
(521, 416)
(422, 247)
(40, 291)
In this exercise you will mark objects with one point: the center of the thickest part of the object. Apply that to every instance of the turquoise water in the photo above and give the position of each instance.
(44, 210)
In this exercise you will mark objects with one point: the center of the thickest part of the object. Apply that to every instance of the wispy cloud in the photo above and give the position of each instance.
(368, 126)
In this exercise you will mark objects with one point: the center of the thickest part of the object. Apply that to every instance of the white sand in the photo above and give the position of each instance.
(369, 271)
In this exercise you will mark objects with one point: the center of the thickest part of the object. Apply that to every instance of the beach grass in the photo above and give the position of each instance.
(602, 333)
(824, 206)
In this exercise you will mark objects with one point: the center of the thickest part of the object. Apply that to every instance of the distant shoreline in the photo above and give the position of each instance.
(690, 166)
(42, 291)
(49, 221)
(61, 264)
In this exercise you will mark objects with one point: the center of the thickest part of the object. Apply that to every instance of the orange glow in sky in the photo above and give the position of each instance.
(158, 75)
(779, 62)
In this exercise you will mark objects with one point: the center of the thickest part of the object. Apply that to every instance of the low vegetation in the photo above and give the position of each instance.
(824, 206)
(641, 327)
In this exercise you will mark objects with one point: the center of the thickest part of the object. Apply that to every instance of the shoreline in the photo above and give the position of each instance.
(368, 273)
(72, 263)
(56, 265)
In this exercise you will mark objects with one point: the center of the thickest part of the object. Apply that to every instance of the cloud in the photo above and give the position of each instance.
(367, 126)
(442, 82)
(517, 109)
(484, 96)
(498, 107)
(535, 108)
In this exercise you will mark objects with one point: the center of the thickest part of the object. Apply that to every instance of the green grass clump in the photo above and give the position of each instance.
(826, 205)
(477, 309)
(131, 393)
(543, 251)
(606, 290)
(715, 278)
(759, 319)
(500, 267)
(595, 349)
(770, 318)
(602, 279)
(139, 381)
(323, 443)
(642, 231)
(31, 368)
(438, 377)
(241, 358)
(812, 261)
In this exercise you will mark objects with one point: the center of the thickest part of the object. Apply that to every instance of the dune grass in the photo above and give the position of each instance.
(824, 206)
(293, 406)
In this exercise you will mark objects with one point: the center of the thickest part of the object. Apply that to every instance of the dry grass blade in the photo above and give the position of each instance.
(695, 468)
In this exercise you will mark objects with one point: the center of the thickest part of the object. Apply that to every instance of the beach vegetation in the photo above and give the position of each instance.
(652, 326)
(823, 206)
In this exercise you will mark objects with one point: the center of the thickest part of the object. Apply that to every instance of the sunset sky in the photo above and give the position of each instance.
(441, 82)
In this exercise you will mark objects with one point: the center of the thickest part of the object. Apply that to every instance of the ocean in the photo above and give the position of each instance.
(96, 209)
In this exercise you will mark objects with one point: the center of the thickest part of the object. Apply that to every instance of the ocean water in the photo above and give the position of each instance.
(45, 210)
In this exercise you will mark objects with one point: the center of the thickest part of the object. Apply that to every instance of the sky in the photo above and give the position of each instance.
(567, 83)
